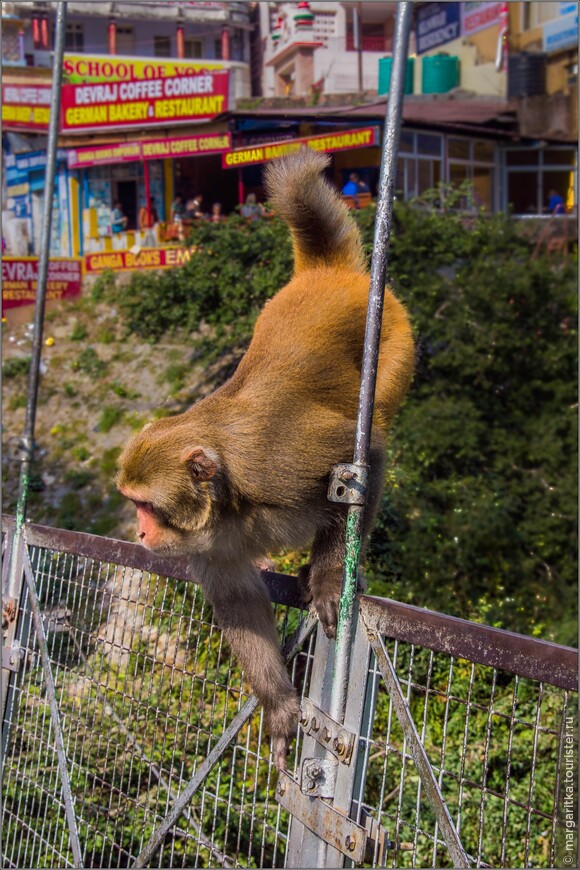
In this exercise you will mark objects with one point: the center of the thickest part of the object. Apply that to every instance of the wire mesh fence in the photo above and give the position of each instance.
(146, 688)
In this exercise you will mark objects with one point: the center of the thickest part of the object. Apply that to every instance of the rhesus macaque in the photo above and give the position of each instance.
(245, 471)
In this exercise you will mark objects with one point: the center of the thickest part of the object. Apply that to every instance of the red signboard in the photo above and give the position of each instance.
(151, 149)
(360, 137)
(146, 258)
(136, 102)
(20, 277)
(25, 106)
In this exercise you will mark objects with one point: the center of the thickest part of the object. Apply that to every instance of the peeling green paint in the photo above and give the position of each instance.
(351, 563)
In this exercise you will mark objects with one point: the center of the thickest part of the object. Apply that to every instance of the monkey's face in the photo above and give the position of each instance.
(172, 489)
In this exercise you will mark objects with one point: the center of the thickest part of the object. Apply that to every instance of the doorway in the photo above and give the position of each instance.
(126, 193)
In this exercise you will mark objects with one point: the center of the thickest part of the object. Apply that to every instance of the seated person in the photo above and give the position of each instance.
(555, 203)
(251, 209)
(177, 209)
(193, 207)
(354, 185)
(216, 213)
(119, 220)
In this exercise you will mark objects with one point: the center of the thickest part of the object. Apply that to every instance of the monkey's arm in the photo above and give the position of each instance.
(243, 610)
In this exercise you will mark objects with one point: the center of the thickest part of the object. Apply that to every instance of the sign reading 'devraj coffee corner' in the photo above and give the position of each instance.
(360, 137)
(104, 93)
(20, 278)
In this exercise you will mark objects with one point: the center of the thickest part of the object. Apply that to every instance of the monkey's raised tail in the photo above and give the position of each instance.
(323, 232)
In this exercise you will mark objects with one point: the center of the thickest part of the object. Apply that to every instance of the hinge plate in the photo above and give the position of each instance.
(323, 820)
(12, 657)
(319, 777)
(334, 737)
(348, 483)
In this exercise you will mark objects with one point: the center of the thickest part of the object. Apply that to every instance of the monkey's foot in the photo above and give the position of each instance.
(303, 578)
(326, 606)
(282, 722)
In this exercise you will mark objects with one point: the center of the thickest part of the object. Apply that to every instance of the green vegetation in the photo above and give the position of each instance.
(16, 367)
(110, 416)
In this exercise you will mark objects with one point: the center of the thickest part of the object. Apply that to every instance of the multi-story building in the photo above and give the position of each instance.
(192, 97)
(146, 91)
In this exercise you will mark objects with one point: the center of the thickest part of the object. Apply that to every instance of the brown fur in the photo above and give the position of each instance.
(245, 471)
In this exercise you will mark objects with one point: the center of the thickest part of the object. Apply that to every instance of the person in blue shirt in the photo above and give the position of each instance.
(354, 185)
(555, 203)
(119, 219)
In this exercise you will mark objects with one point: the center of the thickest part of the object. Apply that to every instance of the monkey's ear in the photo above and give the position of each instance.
(201, 464)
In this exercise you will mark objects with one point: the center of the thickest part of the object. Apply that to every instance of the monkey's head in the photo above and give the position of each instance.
(172, 484)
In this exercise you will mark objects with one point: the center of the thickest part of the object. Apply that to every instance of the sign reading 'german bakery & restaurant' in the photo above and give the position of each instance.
(359, 137)
(105, 93)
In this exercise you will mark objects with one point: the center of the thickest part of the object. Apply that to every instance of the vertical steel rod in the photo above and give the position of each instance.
(15, 589)
(34, 373)
(371, 351)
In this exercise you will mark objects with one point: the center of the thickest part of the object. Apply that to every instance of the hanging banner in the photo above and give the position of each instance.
(154, 149)
(112, 93)
(360, 137)
(479, 16)
(20, 278)
(146, 258)
(25, 106)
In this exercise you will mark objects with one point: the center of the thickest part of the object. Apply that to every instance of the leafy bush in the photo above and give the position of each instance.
(14, 368)
(236, 266)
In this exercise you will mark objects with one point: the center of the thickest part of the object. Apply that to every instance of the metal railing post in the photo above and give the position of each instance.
(15, 591)
(371, 352)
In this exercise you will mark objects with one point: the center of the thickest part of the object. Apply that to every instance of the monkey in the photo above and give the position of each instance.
(245, 471)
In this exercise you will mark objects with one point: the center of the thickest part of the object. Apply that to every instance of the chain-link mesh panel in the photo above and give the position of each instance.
(145, 687)
(494, 742)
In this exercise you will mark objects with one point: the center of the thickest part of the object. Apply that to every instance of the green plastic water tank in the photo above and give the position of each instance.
(440, 74)
(385, 64)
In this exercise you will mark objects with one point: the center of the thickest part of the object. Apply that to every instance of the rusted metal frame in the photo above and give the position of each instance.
(54, 712)
(291, 648)
(283, 588)
(305, 848)
(417, 751)
(481, 644)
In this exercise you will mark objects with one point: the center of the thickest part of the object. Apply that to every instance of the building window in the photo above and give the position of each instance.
(419, 167)
(74, 39)
(162, 46)
(125, 40)
(217, 49)
(192, 48)
(471, 162)
(532, 174)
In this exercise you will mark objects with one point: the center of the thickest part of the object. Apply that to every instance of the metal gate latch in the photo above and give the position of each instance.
(348, 483)
(319, 777)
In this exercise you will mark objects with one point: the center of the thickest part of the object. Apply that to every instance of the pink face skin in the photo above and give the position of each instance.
(149, 531)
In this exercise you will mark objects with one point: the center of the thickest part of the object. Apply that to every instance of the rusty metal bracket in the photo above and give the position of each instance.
(12, 657)
(323, 820)
(348, 483)
(319, 777)
(326, 731)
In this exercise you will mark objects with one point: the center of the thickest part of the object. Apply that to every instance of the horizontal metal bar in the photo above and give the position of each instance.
(481, 644)
(283, 589)
(517, 653)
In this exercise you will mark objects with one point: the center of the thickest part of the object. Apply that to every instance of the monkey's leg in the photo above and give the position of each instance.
(243, 610)
(326, 568)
